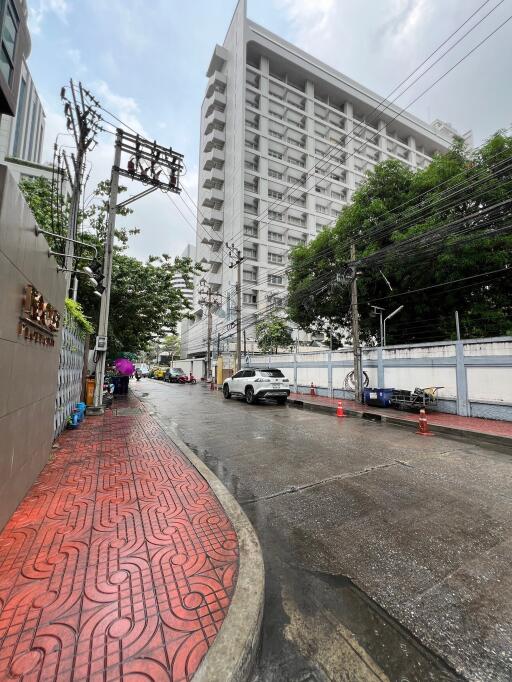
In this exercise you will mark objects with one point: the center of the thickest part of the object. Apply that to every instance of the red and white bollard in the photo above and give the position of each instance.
(339, 410)
(423, 429)
(312, 390)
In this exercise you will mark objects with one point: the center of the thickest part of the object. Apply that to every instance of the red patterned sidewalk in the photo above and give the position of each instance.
(120, 562)
(490, 427)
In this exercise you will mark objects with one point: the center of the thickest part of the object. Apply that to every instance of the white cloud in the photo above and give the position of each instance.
(310, 19)
(38, 12)
(75, 57)
(125, 108)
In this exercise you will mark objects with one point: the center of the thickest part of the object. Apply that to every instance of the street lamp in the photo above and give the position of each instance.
(377, 310)
(395, 312)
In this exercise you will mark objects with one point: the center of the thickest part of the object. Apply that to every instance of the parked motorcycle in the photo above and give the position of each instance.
(190, 379)
(138, 375)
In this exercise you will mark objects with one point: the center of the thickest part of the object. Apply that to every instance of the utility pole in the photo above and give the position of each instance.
(148, 163)
(82, 119)
(355, 330)
(209, 301)
(236, 261)
(107, 272)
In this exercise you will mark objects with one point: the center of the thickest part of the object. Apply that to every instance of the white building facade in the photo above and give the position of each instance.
(285, 141)
(178, 282)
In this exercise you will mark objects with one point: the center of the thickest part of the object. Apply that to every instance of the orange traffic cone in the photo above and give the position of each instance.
(339, 411)
(423, 429)
(312, 390)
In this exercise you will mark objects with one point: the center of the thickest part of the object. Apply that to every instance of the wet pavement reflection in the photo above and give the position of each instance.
(333, 502)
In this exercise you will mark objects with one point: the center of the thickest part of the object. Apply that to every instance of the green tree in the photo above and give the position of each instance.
(171, 345)
(49, 206)
(393, 207)
(144, 304)
(272, 334)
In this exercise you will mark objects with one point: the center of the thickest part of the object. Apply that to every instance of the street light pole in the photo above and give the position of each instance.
(395, 312)
(377, 310)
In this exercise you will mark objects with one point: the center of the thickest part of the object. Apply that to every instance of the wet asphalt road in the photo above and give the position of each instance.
(387, 556)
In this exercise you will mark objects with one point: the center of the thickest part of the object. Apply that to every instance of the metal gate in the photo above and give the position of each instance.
(71, 365)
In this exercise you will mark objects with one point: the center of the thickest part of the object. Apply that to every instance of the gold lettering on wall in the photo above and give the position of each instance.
(39, 320)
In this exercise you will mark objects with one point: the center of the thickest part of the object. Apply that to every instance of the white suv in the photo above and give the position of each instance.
(255, 384)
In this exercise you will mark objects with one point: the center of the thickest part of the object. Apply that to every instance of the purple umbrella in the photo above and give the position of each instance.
(124, 366)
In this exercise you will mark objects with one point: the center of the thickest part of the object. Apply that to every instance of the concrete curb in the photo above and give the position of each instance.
(231, 657)
(452, 431)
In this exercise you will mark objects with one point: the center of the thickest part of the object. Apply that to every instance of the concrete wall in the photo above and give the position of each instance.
(28, 370)
(475, 375)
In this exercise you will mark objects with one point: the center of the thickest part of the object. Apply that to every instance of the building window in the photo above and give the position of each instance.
(275, 236)
(251, 254)
(250, 299)
(249, 276)
(275, 258)
(32, 129)
(8, 47)
(274, 215)
(250, 231)
(275, 279)
(295, 240)
(275, 195)
(20, 113)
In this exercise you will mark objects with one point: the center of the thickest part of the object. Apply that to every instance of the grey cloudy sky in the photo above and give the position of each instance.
(146, 63)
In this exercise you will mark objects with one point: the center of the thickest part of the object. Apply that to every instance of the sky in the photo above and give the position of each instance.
(146, 63)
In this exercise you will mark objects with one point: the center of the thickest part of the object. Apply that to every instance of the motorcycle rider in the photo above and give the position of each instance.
(138, 374)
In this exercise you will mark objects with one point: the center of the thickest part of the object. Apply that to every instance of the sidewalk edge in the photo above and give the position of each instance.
(231, 657)
(453, 431)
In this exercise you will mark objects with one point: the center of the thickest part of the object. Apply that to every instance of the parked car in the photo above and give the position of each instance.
(257, 384)
(173, 375)
(158, 373)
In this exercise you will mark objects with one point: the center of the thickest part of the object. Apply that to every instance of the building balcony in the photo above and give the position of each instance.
(215, 258)
(217, 80)
(214, 137)
(213, 157)
(215, 176)
(212, 215)
(214, 277)
(215, 113)
(213, 196)
(219, 57)
(215, 119)
(216, 98)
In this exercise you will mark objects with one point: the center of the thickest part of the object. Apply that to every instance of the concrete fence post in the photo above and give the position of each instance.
(329, 373)
(295, 372)
(463, 407)
(380, 368)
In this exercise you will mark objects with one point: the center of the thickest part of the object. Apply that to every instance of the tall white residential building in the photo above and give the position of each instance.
(270, 114)
(178, 282)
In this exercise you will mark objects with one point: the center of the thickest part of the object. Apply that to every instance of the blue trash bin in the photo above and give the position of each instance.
(379, 397)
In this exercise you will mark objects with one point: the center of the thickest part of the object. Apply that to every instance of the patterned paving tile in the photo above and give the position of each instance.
(119, 563)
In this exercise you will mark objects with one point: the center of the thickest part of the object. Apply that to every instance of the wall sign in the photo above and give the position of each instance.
(39, 320)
